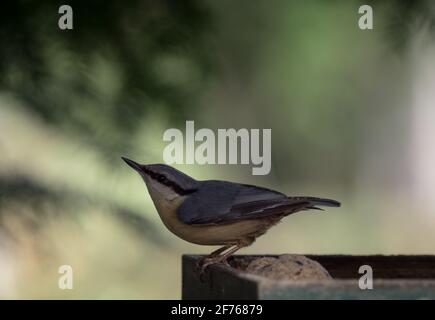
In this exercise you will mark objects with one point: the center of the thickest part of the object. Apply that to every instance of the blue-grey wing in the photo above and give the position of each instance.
(218, 202)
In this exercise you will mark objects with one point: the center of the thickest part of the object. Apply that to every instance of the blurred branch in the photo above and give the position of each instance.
(63, 76)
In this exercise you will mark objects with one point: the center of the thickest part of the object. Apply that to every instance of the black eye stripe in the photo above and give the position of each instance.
(157, 176)
(154, 175)
(161, 178)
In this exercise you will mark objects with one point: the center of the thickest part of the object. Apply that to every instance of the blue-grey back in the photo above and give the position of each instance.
(215, 201)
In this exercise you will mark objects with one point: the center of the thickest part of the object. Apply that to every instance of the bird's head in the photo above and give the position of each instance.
(164, 179)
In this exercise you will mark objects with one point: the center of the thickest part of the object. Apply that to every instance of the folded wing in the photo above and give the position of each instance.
(229, 202)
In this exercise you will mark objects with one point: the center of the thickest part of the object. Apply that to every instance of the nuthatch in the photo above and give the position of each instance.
(213, 212)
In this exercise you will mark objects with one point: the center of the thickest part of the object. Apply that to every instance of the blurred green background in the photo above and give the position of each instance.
(351, 113)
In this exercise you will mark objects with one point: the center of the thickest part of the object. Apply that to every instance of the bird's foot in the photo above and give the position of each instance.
(205, 262)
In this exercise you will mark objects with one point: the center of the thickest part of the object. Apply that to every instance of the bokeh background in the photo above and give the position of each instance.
(351, 111)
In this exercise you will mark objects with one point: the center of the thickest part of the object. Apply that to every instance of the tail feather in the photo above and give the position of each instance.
(314, 201)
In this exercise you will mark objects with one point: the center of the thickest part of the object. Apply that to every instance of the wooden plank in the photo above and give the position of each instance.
(349, 290)
(395, 277)
(218, 282)
(385, 267)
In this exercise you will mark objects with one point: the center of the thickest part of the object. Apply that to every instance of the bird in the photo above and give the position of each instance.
(216, 212)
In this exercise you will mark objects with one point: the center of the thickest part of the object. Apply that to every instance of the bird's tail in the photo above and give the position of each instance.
(314, 202)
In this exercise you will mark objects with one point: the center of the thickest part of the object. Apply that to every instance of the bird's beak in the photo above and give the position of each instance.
(136, 166)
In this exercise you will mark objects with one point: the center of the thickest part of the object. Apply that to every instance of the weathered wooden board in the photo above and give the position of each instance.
(395, 277)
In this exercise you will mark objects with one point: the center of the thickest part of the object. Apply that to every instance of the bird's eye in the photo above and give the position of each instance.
(161, 179)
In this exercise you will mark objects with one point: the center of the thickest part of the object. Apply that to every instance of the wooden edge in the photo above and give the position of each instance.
(221, 282)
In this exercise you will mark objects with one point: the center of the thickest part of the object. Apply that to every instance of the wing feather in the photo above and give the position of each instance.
(219, 202)
(227, 202)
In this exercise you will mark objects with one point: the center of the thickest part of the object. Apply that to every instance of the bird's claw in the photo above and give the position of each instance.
(205, 262)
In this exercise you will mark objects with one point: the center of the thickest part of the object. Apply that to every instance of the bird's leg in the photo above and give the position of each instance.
(220, 258)
(225, 256)
(243, 243)
(219, 251)
(212, 256)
